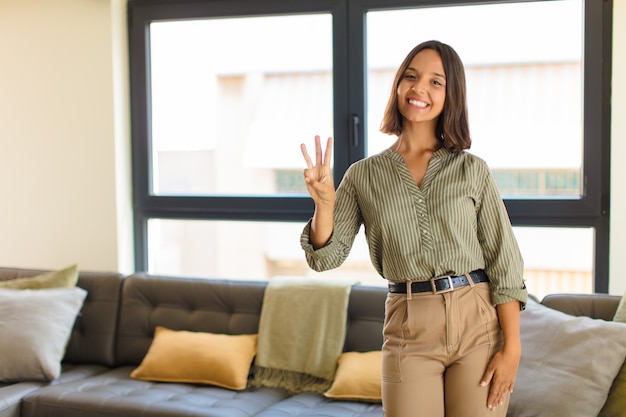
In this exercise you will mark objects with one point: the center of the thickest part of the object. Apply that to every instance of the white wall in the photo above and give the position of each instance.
(64, 137)
(64, 182)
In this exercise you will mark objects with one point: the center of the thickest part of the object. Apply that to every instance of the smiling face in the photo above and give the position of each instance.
(421, 91)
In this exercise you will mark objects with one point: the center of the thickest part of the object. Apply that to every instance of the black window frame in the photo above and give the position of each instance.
(590, 210)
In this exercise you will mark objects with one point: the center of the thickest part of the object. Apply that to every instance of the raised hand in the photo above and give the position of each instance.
(318, 177)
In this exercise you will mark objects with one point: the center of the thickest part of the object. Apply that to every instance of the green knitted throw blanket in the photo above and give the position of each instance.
(301, 333)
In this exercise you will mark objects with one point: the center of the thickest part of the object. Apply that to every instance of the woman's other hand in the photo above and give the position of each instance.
(502, 370)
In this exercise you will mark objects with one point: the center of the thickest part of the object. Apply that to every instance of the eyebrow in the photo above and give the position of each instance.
(433, 73)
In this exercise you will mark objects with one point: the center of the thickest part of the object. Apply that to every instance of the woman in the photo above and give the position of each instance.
(438, 231)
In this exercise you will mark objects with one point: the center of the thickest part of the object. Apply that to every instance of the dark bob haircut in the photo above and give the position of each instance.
(452, 126)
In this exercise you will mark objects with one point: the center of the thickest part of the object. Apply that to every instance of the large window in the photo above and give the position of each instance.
(223, 93)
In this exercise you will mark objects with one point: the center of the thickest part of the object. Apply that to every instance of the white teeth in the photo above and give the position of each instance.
(418, 103)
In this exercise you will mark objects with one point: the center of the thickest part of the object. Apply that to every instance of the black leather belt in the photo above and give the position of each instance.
(441, 284)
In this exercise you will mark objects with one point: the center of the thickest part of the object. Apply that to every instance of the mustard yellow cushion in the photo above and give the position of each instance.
(64, 278)
(196, 357)
(358, 377)
(615, 405)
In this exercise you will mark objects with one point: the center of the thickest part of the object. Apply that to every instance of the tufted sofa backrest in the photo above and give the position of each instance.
(221, 306)
(94, 334)
(366, 314)
(202, 305)
(596, 306)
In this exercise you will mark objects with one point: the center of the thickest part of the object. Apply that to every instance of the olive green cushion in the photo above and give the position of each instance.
(620, 314)
(64, 278)
(615, 405)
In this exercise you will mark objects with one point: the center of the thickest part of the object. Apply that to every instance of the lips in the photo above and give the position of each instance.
(418, 103)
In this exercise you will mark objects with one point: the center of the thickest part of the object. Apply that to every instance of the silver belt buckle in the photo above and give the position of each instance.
(434, 286)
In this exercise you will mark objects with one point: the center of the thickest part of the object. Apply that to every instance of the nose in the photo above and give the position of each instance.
(419, 86)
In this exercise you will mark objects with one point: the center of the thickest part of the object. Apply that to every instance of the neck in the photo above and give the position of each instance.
(415, 140)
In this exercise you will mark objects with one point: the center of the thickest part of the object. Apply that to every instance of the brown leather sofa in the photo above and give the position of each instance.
(116, 327)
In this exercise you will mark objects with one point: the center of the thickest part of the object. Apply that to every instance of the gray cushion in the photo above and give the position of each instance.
(568, 363)
(35, 326)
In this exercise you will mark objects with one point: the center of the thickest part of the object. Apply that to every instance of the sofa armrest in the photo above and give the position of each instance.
(596, 306)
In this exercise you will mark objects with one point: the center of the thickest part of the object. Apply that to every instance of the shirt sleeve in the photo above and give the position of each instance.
(346, 223)
(503, 260)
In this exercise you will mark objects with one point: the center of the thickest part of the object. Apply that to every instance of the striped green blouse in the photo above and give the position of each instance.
(454, 223)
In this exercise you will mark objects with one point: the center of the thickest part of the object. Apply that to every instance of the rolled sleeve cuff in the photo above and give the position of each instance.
(508, 295)
(312, 253)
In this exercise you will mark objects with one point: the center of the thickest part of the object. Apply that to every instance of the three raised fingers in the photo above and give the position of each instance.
(327, 156)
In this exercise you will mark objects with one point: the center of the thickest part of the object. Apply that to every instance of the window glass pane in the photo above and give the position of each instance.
(243, 250)
(524, 85)
(229, 111)
(556, 260)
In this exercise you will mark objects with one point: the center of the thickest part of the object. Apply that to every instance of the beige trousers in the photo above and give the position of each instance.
(436, 349)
